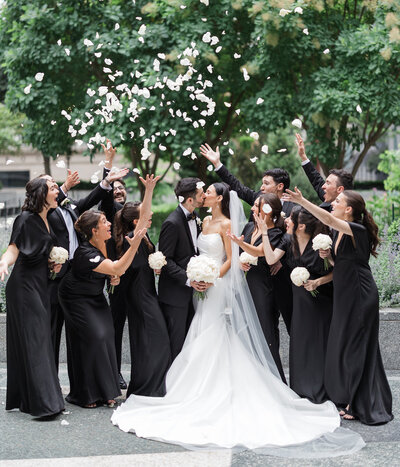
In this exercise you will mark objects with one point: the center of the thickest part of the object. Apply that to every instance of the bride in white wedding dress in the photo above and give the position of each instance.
(223, 389)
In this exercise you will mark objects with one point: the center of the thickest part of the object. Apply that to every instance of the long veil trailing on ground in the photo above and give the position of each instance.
(242, 316)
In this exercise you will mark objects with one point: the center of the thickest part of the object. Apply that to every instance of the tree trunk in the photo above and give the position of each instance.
(46, 164)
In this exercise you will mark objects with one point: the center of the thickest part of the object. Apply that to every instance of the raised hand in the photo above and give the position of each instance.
(260, 223)
(71, 181)
(300, 147)
(213, 156)
(238, 240)
(138, 234)
(150, 181)
(112, 176)
(294, 196)
(109, 152)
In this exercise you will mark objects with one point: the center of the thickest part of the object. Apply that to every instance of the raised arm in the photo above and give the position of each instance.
(312, 173)
(324, 216)
(117, 268)
(150, 182)
(245, 193)
(250, 249)
(272, 256)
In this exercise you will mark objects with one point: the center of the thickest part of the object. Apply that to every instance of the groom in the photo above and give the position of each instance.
(178, 242)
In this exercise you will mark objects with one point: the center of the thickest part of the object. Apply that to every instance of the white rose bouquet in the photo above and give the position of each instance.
(157, 260)
(300, 276)
(322, 242)
(58, 255)
(245, 258)
(202, 269)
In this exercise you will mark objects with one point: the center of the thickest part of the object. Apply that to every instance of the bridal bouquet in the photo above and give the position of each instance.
(58, 255)
(202, 269)
(322, 242)
(300, 276)
(157, 260)
(245, 258)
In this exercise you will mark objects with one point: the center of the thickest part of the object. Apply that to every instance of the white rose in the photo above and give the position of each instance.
(58, 255)
(299, 276)
(321, 242)
(157, 260)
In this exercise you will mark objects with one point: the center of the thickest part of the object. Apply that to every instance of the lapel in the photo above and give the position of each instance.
(72, 212)
(186, 226)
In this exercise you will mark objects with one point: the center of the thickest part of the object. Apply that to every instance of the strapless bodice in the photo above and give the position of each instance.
(212, 246)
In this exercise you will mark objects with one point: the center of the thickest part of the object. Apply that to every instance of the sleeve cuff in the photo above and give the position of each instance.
(63, 192)
(218, 167)
(188, 283)
(105, 187)
(305, 162)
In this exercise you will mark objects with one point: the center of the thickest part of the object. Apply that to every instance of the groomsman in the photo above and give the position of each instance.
(327, 190)
(178, 242)
(273, 181)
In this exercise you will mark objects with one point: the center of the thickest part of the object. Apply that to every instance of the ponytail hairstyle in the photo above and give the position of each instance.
(86, 222)
(123, 225)
(222, 188)
(36, 194)
(363, 217)
(299, 215)
(276, 215)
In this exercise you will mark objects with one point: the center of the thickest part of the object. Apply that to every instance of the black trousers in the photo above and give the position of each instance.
(178, 321)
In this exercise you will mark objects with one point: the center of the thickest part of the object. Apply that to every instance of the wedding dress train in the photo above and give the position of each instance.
(221, 393)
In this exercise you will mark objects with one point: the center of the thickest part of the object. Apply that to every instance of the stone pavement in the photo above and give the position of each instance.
(90, 439)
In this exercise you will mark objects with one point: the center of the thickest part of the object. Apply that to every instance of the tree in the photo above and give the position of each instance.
(11, 126)
(162, 77)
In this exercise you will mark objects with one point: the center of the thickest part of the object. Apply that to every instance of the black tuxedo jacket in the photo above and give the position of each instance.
(317, 181)
(176, 244)
(75, 209)
(247, 194)
(108, 205)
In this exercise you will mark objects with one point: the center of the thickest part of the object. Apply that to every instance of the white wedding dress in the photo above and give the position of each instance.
(222, 394)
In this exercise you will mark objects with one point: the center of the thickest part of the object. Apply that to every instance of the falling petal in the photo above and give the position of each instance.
(254, 135)
(305, 31)
(266, 208)
(260, 100)
(9, 161)
(326, 51)
(87, 42)
(137, 171)
(282, 150)
(284, 12)
(210, 168)
(60, 164)
(27, 89)
(64, 422)
(298, 10)
(253, 159)
(359, 109)
(297, 122)
(142, 30)
(200, 185)
(264, 149)
(236, 55)
(176, 165)
(67, 51)
(181, 199)
(39, 76)
(96, 259)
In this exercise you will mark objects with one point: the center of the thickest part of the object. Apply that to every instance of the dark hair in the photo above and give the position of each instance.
(273, 200)
(35, 196)
(222, 188)
(186, 187)
(345, 178)
(279, 176)
(121, 181)
(86, 222)
(123, 223)
(299, 215)
(362, 216)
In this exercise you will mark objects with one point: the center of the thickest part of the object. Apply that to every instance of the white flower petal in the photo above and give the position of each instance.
(282, 150)
(297, 122)
(284, 12)
(96, 259)
(264, 149)
(260, 100)
(305, 31)
(181, 199)
(60, 164)
(326, 51)
(253, 159)
(9, 161)
(200, 185)
(359, 109)
(176, 165)
(39, 76)
(67, 51)
(266, 208)
(27, 89)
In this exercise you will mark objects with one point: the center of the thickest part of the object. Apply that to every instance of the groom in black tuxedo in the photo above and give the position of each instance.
(178, 242)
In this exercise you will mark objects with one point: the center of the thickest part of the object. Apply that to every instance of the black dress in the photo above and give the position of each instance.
(311, 320)
(32, 381)
(354, 369)
(148, 334)
(92, 363)
(262, 291)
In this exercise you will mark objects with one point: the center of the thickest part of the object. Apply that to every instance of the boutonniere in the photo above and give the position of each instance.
(199, 221)
(65, 201)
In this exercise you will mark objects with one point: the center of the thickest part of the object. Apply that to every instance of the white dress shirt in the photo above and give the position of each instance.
(192, 226)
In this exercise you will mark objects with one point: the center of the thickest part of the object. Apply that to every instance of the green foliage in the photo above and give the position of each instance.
(385, 208)
(386, 267)
(334, 65)
(11, 126)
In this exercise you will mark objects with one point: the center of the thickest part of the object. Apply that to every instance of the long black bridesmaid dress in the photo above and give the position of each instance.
(92, 362)
(311, 321)
(32, 381)
(262, 291)
(148, 334)
(354, 369)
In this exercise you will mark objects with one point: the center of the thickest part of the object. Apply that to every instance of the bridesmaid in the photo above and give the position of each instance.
(259, 277)
(354, 375)
(148, 334)
(311, 315)
(32, 382)
(92, 365)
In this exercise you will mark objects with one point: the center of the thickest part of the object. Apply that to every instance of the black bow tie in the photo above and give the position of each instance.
(191, 216)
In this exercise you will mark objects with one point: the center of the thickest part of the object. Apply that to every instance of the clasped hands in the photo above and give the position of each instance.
(200, 286)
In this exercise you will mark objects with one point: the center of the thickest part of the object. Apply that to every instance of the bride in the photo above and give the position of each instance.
(223, 389)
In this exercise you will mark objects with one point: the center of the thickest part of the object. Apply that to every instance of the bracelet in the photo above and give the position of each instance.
(107, 180)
